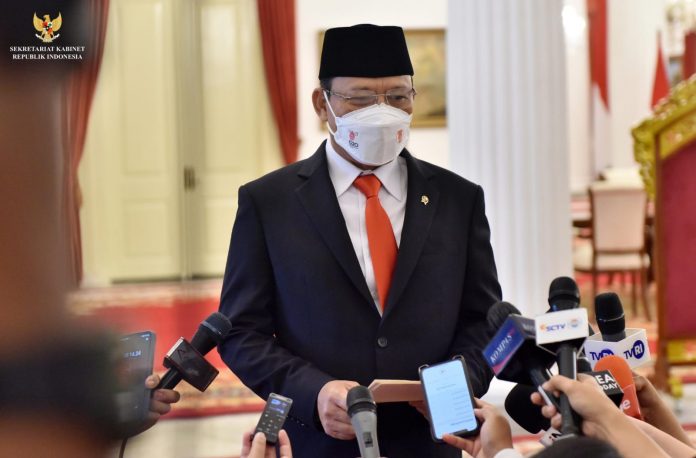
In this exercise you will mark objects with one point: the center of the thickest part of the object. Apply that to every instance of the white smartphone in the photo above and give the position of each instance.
(449, 399)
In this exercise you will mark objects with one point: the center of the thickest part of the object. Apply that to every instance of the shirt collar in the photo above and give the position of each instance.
(343, 173)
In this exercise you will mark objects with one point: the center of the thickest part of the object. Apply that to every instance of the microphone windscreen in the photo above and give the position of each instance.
(609, 313)
(520, 408)
(499, 312)
(619, 369)
(211, 332)
(563, 294)
(360, 398)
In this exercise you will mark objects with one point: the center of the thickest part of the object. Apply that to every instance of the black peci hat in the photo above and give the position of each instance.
(365, 50)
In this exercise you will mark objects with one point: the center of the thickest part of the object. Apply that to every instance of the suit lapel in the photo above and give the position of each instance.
(319, 200)
(421, 204)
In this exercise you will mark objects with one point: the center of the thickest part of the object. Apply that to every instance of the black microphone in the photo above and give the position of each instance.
(518, 403)
(498, 313)
(560, 337)
(610, 317)
(563, 294)
(520, 408)
(185, 360)
(512, 352)
(363, 416)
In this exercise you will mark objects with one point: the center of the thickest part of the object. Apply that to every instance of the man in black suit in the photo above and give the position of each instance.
(321, 298)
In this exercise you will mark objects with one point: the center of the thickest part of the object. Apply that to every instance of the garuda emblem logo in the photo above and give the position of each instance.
(47, 27)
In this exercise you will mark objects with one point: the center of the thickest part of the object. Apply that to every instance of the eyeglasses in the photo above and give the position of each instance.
(397, 98)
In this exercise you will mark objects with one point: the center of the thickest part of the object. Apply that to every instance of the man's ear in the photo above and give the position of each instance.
(319, 104)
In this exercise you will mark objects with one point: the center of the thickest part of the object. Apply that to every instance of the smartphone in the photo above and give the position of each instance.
(135, 359)
(449, 399)
(273, 417)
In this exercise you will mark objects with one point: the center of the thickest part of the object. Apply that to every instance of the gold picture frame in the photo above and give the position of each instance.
(426, 48)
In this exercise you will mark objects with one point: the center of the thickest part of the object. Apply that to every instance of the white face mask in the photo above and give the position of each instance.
(373, 135)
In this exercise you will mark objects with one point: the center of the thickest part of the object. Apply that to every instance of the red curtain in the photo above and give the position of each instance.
(597, 15)
(277, 23)
(79, 93)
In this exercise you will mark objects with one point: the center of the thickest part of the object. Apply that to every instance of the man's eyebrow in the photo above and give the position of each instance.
(360, 88)
(366, 88)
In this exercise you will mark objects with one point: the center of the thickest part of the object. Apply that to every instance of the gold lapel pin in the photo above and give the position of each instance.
(424, 199)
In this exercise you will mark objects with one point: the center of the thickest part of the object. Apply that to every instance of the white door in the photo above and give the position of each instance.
(235, 137)
(179, 121)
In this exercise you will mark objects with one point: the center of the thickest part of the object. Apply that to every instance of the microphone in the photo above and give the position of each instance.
(621, 371)
(520, 408)
(563, 331)
(512, 353)
(563, 294)
(185, 360)
(615, 339)
(363, 416)
(610, 317)
(498, 313)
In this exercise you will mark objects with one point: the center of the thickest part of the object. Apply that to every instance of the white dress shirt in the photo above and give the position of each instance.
(392, 196)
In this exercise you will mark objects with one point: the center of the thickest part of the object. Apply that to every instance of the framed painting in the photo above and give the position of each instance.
(427, 50)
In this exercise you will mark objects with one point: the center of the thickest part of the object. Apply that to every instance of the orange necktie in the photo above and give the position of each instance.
(380, 235)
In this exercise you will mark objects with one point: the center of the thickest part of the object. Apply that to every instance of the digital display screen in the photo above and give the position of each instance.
(278, 405)
(448, 398)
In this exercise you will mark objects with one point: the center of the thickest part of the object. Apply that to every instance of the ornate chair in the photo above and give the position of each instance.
(665, 146)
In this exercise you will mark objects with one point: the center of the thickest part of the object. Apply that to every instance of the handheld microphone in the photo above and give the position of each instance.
(185, 360)
(520, 408)
(621, 372)
(563, 331)
(498, 313)
(615, 339)
(563, 294)
(363, 416)
(610, 317)
(512, 353)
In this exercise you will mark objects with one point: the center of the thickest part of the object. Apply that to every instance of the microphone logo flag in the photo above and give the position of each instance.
(634, 348)
(503, 345)
(561, 326)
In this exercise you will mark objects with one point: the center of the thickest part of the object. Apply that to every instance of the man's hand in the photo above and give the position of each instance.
(160, 403)
(257, 447)
(333, 413)
(656, 412)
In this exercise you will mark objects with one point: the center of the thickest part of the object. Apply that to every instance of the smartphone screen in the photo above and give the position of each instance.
(449, 399)
(135, 364)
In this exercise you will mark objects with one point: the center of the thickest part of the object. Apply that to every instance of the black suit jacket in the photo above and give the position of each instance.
(302, 314)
